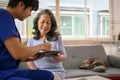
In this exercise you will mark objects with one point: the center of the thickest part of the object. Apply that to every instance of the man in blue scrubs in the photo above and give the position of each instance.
(11, 49)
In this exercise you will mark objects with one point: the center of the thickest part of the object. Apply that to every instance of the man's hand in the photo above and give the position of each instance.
(35, 57)
(46, 46)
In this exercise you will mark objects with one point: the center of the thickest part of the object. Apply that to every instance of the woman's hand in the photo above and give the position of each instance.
(58, 57)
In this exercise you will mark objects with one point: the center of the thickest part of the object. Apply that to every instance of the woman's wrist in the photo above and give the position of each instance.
(43, 47)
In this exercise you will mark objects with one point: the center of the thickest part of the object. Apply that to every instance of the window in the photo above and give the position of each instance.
(85, 19)
(105, 25)
(30, 24)
(72, 25)
(21, 25)
(79, 19)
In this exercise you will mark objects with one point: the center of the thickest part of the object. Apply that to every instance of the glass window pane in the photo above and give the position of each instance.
(21, 27)
(79, 28)
(30, 24)
(95, 22)
(105, 25)
(66, 25)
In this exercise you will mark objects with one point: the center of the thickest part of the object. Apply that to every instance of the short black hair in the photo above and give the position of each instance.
(28, 3)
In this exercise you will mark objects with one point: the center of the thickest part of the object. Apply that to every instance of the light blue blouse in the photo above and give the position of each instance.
(47, 63)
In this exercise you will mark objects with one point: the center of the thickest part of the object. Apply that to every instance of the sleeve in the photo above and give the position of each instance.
(7, 27)
(29, 42)
(61, 46)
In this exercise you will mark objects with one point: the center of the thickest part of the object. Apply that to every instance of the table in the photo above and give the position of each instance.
(114, 78)
(89, 78)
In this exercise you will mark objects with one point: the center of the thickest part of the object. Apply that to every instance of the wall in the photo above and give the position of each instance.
(116, 16)
(114, 49)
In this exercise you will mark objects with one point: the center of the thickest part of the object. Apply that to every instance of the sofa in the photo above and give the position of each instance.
(75, 54)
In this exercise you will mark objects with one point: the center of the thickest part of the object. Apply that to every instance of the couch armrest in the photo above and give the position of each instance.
(114, 61)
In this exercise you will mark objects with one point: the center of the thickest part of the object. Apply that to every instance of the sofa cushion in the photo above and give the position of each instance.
(110, 72)
(75, 54)
(114, 60)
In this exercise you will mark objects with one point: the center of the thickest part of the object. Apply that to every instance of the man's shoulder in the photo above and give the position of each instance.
(5, 15)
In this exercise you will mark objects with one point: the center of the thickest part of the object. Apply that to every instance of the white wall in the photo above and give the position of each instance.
(110, 48)
(116, 16)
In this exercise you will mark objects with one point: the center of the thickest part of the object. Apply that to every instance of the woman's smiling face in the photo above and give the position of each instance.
(44, 24)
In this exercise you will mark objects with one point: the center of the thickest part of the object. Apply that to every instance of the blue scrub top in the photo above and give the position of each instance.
(8, 64)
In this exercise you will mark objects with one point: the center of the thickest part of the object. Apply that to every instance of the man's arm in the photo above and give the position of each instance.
(18, 51)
